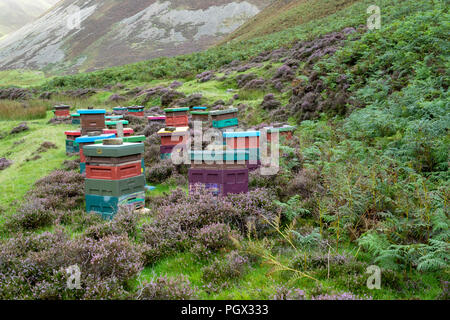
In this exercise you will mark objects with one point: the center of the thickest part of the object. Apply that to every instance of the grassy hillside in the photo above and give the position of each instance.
(284, 14)
(363, 182)
(214, 58)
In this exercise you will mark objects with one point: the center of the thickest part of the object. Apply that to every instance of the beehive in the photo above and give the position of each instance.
(284, 131)
(230, 113)
(126, 131)
(177, 117)
(114, 176)
(72, 135)
(156, 119)
(115, 188)
(120, 110)
(108, 206)
(71, 147)
(173, 137)
(62, 111)
(137, 111)
(75, 118)
(220, 171)
(241, 139)
(113, 117)
(113, 124)
(92, 120)
(87, 140)
(220, 181)
(200, 116)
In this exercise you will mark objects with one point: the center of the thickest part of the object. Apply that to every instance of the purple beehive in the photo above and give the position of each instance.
(220, 181)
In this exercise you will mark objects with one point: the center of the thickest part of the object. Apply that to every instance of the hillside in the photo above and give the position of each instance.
(16, 13)
(283, 14)
(363, 183)
(118, 32)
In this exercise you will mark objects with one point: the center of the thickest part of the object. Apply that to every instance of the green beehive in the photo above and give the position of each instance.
(115, 188)
(225, 123)
(113, 151)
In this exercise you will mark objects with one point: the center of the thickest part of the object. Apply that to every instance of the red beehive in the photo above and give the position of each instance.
(242, 140)
(61, 111)
(118, 172)
(172, 138)
(177, 121)
(177, 117)
(285, 131)
(72, 135)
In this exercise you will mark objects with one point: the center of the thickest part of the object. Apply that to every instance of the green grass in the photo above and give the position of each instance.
(22, 78)
(17, 179)
(29, 110)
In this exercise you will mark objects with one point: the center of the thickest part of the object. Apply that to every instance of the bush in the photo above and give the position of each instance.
(32, 215)
(164, 288)
(221, 271)
(212, 238)
(62, 190)
(34, 266)
(180, 218)
(160, 172)
(284, 293)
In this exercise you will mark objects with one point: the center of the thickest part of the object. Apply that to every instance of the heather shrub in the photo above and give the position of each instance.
(126, 222)
(179, 219)
(152, 128)
(36, 266)
(161, 171)
(32, 215)
(340, 296)
(59, 190)
(164, 288)
(221, 271)
(212, 238)
(284, 293)
(78, 220)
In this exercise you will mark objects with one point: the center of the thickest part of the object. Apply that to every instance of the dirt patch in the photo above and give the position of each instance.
(4, 163)
(20, 128)
(44, 147)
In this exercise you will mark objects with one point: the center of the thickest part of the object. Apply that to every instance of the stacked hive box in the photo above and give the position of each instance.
(284, 131)
(132, 139)
(61, 112)
(114, 177)
(156, 119)
(120, 110)
(170, 137)
(126, 131)
(219, 171)
(113, 118)
(245, 140)
(92, 120)
(224, 119)
(83, 141)
(200, 114)
(113, 124)
(71, 147)
(177, 117)
(137, 111)
(75, 118)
